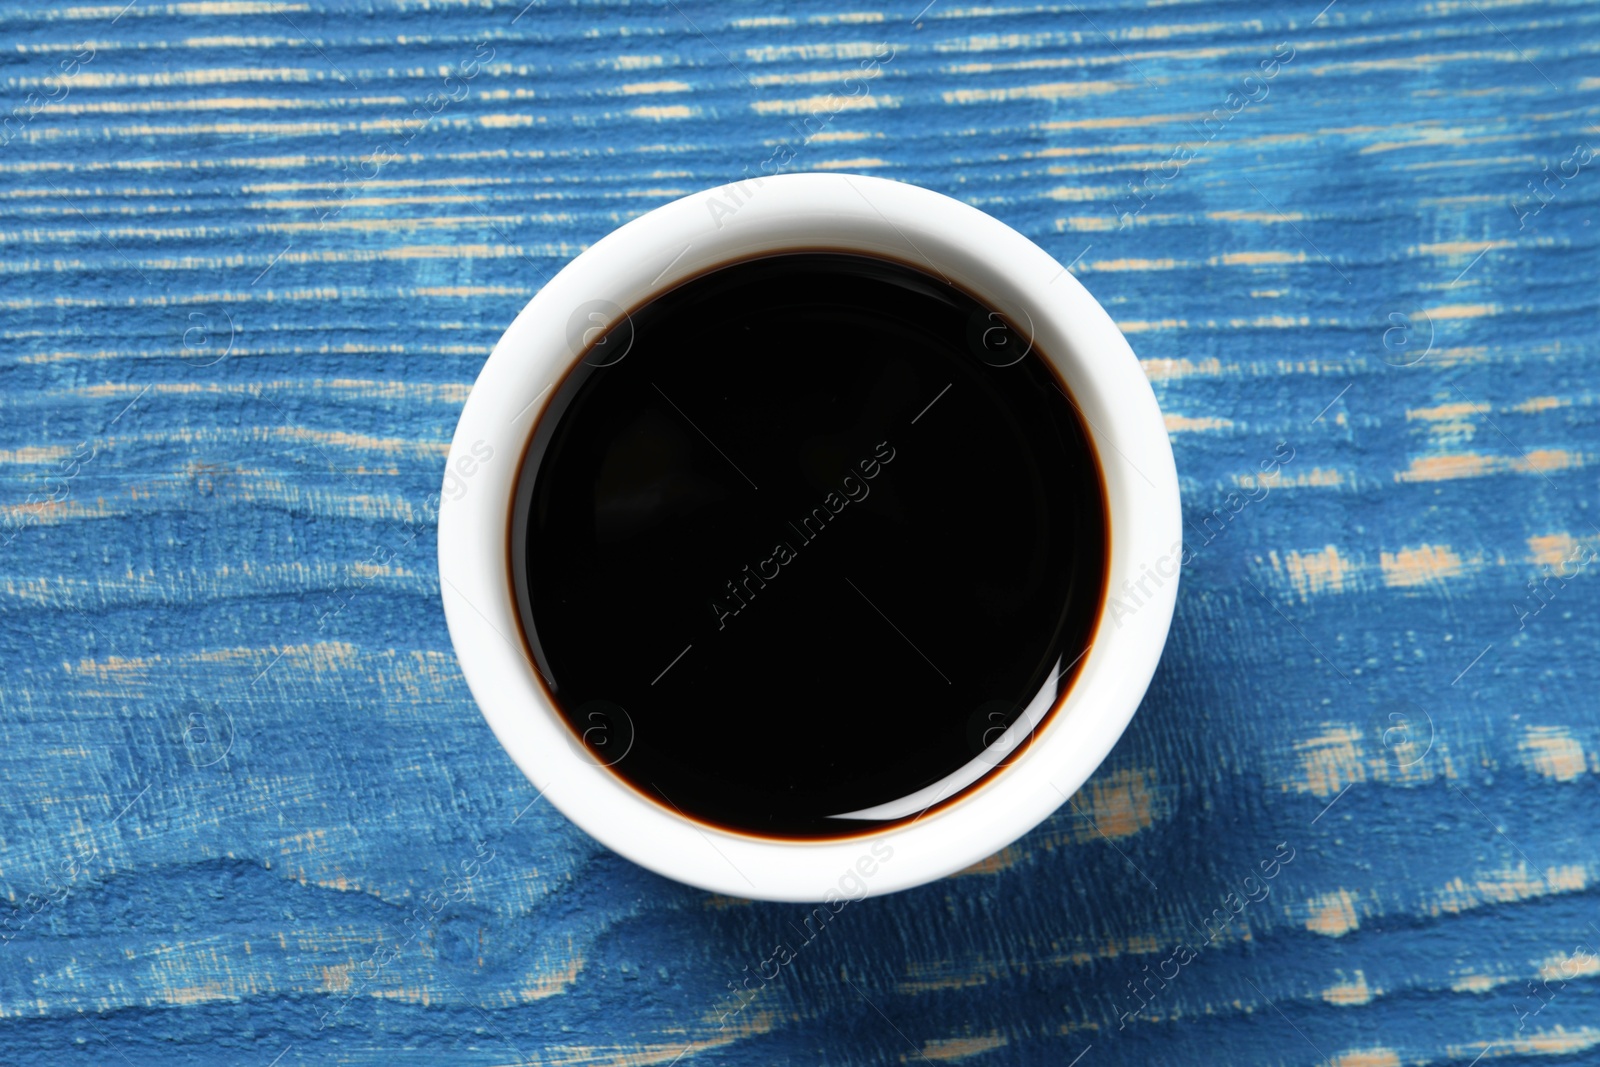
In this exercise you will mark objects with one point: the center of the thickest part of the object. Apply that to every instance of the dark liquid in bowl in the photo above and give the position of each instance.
(802, 538)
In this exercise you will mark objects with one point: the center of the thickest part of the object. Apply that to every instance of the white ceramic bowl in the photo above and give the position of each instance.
(843, 212)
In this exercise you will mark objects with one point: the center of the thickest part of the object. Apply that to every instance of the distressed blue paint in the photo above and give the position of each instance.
(257, 793)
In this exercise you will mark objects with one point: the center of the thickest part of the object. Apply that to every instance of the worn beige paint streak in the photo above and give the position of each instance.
(1454, 465)
(1422, 565)
(1332, 914)
(660, 114)
(1561, 552)
(1112, 806)
(1120, 804)
(1505, 887)
(1378, 1056)
(1316, 571)
(1553, 752)
(640, 88)
(1136, 264)
(1314, 478)
(33, 455)
(1580, 962)
(1259, 259)
(1557, 1041)
(745, 1025)
(1051, 91)
(1003, 860)
(1171, 370)
(1351, 992)
(1185, 424)
(813, 105)
(1344, 755)
(956, 1049)
(864, 163)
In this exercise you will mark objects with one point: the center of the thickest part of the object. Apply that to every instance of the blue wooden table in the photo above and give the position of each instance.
(252, 256)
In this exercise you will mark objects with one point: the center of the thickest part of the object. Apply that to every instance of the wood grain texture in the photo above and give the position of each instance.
(252, 256)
